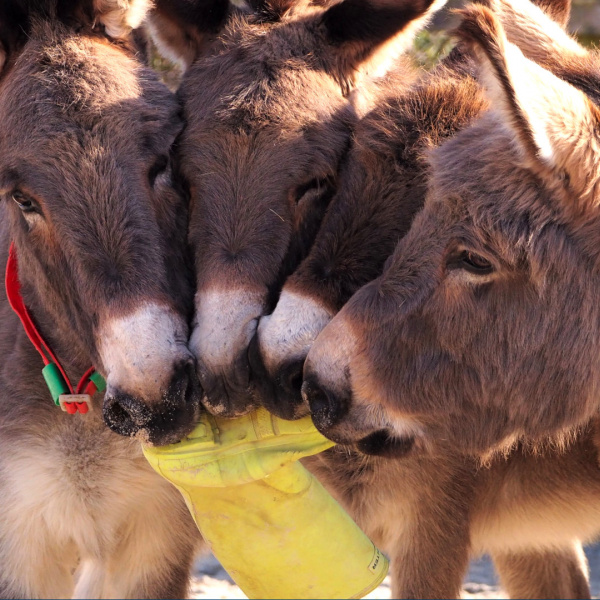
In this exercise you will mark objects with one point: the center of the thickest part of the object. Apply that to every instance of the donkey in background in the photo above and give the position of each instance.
(88, 200)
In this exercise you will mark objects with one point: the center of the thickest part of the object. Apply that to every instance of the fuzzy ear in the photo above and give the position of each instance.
(539, 31)
(182, 29)
(555, 125)
(14, 27)
(272, 10)
(371, 32)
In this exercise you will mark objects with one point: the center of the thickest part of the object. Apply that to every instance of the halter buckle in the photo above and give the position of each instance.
(72, 403)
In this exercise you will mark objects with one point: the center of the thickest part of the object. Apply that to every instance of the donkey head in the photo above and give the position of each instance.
(485, 322)
(382, 186)
(268, 121)
(89, 202)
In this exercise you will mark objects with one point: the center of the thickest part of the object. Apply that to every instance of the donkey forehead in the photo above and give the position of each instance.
(71, 84)
(483, 175)
(268, 74)
(249, 100)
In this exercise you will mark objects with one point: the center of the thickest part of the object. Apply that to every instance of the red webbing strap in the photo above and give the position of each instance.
(15, 299)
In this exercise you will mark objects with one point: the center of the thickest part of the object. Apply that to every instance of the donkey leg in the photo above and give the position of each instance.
(431, 553)
(429, 566)
(560, 573)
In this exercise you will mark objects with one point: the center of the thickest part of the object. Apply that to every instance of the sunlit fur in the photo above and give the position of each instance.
(82, 123)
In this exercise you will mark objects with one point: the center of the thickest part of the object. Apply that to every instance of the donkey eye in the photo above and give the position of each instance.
(475, 263)
(159, 166)
(316, 187)
(25, 203)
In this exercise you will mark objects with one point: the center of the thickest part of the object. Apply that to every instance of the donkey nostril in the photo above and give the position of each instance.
(125, 415)
(185, 384)
(326, 409)
(291, 377)
(296, 381)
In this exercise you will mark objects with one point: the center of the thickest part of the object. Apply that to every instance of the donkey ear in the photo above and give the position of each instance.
(182, 29)
(14, 26)
(272, 10)
(539, 31)
(357, 29)
(555, 125)
(119, 17)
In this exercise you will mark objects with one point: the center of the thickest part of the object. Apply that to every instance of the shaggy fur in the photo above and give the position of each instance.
(82, 128)
(268, 123)
(447, 507)
(485, 354)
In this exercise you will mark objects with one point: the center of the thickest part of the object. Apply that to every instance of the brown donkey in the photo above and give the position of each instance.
(483, 325)
(87, 199)
(268, 122)
(430, 548)
(382, 185)
(444, 506)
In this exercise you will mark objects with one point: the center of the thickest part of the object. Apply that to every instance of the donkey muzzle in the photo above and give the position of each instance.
(160, 422)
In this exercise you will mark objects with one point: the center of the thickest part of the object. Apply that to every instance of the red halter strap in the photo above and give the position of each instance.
(56, 377)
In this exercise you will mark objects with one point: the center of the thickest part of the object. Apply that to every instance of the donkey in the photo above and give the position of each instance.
(488, 306)
(97, 227)
(443, 501)
(429, 555)
(382, 185)
(268, 124)
(381, 188)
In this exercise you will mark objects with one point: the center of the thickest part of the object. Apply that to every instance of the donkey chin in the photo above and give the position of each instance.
(338, 416)
(153, 392)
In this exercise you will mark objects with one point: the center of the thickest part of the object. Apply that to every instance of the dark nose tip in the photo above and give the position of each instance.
(185, 386)
(227, 391)
(278, 395)
(290, 379)
(165, 418)
(326, 408)
(125, 414)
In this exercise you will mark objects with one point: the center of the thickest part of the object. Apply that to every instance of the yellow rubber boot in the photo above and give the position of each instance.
(273, 526)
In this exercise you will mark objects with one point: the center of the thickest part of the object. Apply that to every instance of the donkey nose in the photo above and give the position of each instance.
(125, 414)
(281, 400)
(227, 392)
(290, 379)
(164, 420)
(326, 408)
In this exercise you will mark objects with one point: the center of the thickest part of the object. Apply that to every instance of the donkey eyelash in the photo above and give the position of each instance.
(470, 261)
(26, 203)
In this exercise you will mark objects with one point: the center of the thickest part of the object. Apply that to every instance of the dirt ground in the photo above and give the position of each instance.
(211, 581)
